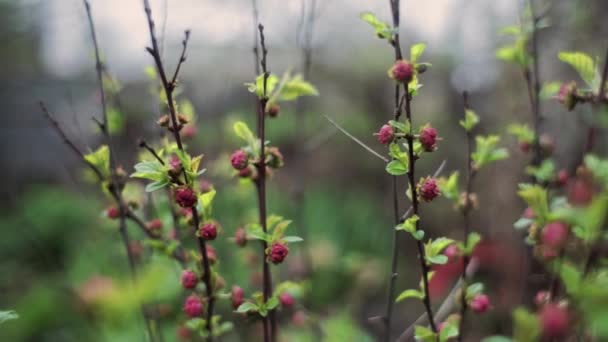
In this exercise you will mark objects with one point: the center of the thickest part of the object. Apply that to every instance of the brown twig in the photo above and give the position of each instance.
(270, 321)
(395, 4)
(466, 210)
(169, 87)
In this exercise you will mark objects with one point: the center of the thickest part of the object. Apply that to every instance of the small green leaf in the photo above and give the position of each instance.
(448, 331)
(526, 326)
(292, 239)
(474, 289)
(396, 168)
(486, 151)
(416, 51)
(472, 241)
(522, 132)
(571, 277)
(8, 316)
(403, 127)
(536, 198)
(599, 168)
(409, 225)
(382, 29)
(545, 172)
(470, 120)
(411, 293)
(418, 235)
(296, 87)
(449, 186)
(151, 187)
(523, 223)
(549, 90)
(195, 324)
(583, 64)
(247, 307)
(272, 303)
(100, 158)
(439, 259)
(424, 334)
(243, 132)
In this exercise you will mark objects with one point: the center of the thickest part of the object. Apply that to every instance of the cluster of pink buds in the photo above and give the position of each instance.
(277, 252)
(208, 231)
(428, 189)
(402, 71)
(480, 303)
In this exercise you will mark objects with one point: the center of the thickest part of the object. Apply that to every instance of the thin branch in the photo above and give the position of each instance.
(144, 144)
(169, 88)
(67, 140)
(444, 309)
(256, 52)
(466, 210)
(98, 67)
(353, 138)
(182, 57)
(269, 331)
(533, 83)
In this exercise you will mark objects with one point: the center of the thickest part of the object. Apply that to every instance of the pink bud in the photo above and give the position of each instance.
(240, 237)
(185, 197)
(555, 235)
(402, 71)
(189, 279)
(555, 321)
(237, 297)
(428, 189)
(193, 307)
(480, 303)
(208, 231)
(278, 252)
(428, 138)
(287, 300)
(239, 159)
(386, 134)
(113, 213)
(541, 298)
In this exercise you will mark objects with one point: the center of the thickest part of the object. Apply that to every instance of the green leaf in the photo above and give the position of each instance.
(242, 131)
(409, 225)
(258, 86)
(523, 223)
(416, 51)
(403, 127)
(549, 90)
(536, 198)
(583, 64)
(599, 168)
(472, 241)
(522, 132)
(116, 121)
(395, 151)
(486, 151)
(438, 259)
(272, 303)
(526, 326)
(589, 219)
(292, 239)
(195, 324)
(438, 245)
(418, 235)
(474, 289)
(571, 277)
(279, 229)
(448, 331)
(100, 158)
(247, 307)
(8, 316)
(151, 187)
(296, 87)
(545, 172)
(424, 334)
(411, 293)
(470, 120)
(449, 186)
(396, 168)
(382, 29)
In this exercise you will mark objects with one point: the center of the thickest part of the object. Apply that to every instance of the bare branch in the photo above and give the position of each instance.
(353, 138)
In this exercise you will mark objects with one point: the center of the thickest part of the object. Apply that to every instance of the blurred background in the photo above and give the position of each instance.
(56, 248)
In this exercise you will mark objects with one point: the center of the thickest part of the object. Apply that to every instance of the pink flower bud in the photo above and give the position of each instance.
(278, 252)
(541, 298)
(211, 254)
(562, 177)
(386, 134)
(452, 252)
(155, 225)
(428, 138)
(287, 300)
(580, 192)
(529, 213)
(402, 71)
(113, 213)
(189, 279)
(480, 303)
(240, 237)
(237, 297)
(239, 159)
(555, 235)
(208, 231)
(193, 307)
(185, 197)
(554, 320)
(428, 189)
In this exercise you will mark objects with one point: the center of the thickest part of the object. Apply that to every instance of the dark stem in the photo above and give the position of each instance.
(412, 180)
(599, 99)
(388, 315)
(535, 87)
(256, 52)
(144, 144)
(467, 227)
(169, 87)
(269, 331)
